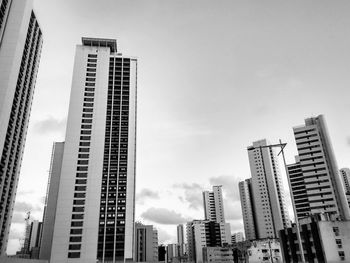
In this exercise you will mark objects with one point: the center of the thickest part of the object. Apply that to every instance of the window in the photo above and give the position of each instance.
(83, 156)
(88, 104)
(74, 255)
(84, 150)
(75, 239)
(84, 144)
(87, 110)
(84, 175)
(75, 247)
(80, 181)
(339, 243)
(78, 216)
(79, 202)
(86, 126)
(78, 209)
(341, 255)
(88, 132)
(80, 188)
(79, 195)
(77, 223)
(92, 55)
(76, 231)
(336, 231)
(86, 120)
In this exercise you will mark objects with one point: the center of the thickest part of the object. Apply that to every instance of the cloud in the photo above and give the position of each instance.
(229, 186)
(164, 237)
(18, 217)
(25, 207)
(50, 125)
(25, 192)
(192, 194)
(164, 216)
(146, 194)
(232, 210)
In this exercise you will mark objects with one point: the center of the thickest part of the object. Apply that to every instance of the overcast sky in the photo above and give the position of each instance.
(213, 76)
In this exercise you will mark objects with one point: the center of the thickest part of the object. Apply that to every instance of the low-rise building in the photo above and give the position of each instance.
(217, 254)
(264, 250)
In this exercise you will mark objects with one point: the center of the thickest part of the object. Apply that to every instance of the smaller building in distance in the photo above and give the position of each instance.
(323, 239)
(217, 254)
(237, 237)
(146, 246)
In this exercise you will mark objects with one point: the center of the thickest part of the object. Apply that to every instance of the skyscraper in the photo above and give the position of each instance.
(20, 48)
(316, 183)
(268, 200)
(213, 205)
(245, 192)
(96, 198)
(51, 200)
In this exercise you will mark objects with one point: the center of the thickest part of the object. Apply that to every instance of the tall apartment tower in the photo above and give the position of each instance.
(180, 239)
(96, 196)
(268, 199)
(213, 205)
(51, 200)
(20, 49)
(316, 183)
(345, 175)
(245, 192)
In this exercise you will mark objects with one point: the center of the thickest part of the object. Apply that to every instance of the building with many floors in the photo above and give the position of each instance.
(316, 184)
(323, 240)
(95, 210)
(262, 197)
(49, 214)
(20, 48)
(146, 243)
(213, 205)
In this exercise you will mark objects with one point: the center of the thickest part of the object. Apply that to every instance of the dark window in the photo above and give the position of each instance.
(75, 247)
(78, 216)
(76, 231)
(78, 209)
(75, 239)
(74, 255)
(77, 223)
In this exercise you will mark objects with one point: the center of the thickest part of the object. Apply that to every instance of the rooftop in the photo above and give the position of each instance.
(100, 42)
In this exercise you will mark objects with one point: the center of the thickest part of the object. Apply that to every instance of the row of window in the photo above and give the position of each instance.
(83, 160)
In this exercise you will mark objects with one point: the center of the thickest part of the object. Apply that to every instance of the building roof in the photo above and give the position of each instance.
(100, 42)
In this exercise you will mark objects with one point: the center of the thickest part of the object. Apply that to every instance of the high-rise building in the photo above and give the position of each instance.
(20, 49)
(213, 205)
(181, 240)
(51, 200)
(246, 196)
(146, 243)
(345, 175)
(316, 183)
(96, 197)
(268, 199)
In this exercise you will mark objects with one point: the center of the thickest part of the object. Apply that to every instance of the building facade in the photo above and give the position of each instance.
(205, 233)
(323, 240)
(268, 200)
(316, 183)
(51, 200)
(345, 175)
(213, 205)
(237, 237)
(96, 198)
(146, 243)
(181, 239)
(20, 49)
(247, 205)
(217, 254)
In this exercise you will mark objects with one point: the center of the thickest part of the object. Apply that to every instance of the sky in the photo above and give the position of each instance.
(213, 76)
